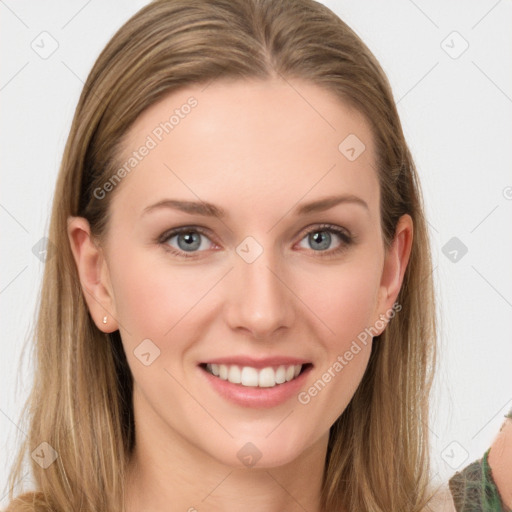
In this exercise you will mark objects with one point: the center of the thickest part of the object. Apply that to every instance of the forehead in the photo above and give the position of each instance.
(247, 142)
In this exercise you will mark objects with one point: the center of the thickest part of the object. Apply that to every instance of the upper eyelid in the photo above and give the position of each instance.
(171, 233)
(338, 230)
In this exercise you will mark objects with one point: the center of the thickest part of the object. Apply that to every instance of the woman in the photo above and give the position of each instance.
(194, 353)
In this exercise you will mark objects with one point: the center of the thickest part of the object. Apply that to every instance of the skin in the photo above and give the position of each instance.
(258, 150)
(500, 462)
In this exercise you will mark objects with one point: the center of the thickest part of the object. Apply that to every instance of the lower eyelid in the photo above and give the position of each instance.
(345, 239)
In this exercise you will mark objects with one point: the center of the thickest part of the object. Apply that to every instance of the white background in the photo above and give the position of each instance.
(456, 113)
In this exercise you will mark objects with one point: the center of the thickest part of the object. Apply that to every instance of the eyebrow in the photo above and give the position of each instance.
(211, 210)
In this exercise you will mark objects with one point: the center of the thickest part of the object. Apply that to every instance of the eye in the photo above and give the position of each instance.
(187, 239)
(320, 239)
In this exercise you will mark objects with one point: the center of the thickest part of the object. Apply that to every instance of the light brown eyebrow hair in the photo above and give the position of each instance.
(211, 210)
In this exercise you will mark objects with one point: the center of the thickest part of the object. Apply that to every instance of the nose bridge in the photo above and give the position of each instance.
(260, 302)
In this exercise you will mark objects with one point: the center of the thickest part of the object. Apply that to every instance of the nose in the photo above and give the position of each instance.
(260, 299)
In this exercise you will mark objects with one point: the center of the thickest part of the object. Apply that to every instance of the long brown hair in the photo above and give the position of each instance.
(81, 401)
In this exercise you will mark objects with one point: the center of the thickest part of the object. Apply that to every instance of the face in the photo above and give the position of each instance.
(244, 266)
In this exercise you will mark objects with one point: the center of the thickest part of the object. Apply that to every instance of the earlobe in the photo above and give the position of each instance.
(93, 273)
(395, 264)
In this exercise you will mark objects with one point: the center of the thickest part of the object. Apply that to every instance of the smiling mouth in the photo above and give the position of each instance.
(248, 376)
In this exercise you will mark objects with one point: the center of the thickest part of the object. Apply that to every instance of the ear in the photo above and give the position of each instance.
(395, 264)
(93, 273)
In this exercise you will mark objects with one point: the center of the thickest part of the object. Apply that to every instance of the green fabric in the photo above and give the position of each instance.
(473, 489)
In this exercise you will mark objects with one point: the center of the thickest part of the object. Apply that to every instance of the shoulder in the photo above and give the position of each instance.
(500, 462)
(486, 484)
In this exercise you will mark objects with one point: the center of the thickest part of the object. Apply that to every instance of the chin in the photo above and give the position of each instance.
(259, 452)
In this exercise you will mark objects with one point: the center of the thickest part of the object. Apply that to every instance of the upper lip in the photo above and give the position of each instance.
(258, 363)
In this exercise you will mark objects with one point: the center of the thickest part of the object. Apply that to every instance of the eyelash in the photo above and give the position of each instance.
(346, 239)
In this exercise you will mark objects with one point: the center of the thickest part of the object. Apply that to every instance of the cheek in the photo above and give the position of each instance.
(151, 294)
(344, 299)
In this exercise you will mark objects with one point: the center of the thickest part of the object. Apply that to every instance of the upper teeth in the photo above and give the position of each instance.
(247, 376)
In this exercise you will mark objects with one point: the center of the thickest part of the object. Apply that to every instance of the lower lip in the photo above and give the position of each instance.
(246, 396)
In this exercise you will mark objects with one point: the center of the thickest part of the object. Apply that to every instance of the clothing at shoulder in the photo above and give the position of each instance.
(474, 490)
